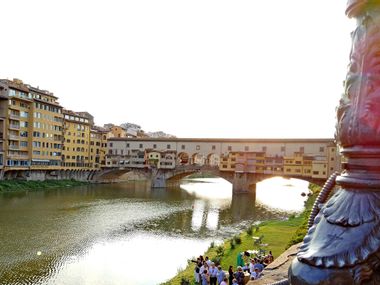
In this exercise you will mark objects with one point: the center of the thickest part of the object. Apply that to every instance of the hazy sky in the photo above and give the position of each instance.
(190, 68)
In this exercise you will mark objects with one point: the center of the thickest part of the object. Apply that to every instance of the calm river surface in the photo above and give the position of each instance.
(127, 233)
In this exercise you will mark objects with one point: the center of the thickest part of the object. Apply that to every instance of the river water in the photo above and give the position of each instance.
(127, 233)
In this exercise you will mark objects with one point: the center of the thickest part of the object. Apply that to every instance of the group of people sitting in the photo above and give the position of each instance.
(207, 273)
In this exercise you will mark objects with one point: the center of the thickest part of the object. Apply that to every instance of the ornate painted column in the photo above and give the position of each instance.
(343, 244)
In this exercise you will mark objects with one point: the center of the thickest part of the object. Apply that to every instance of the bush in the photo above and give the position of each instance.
(250, 230)
(185, 281)
(216, 260)
(237, 239)
(232, 243)
(220, 251)
(212, 244)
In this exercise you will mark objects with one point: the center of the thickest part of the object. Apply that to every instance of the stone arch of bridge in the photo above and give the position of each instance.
(213, 159)
(198, 159)
(183, 158)
(202, 170)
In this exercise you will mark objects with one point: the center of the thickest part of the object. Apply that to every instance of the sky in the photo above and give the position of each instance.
(207, 69)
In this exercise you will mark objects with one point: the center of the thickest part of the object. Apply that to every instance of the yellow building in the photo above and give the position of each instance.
(98, 147)
(160, 159)
(76, 145)
(293, 165)
(116, 132)
(32, 124)
(46, 123)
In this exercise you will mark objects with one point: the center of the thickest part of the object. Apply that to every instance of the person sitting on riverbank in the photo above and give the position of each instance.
(268, 258)
(245, 267)
(239, 275)
(259, 265)
(256, 274)
(224, 281)
(220, 275)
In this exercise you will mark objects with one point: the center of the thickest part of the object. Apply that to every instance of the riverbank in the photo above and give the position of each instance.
(276, 236)
(7, 186)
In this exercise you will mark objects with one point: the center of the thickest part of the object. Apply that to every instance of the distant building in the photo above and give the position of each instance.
(159, 134)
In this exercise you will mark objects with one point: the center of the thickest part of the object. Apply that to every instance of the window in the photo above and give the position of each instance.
(127, 145)
(283, 149)
(183, 146)
(246, 148)
(198, 147)
(264, 148)
(213, 147)
(111, 144)
(141, 145)
(168, 146)
(302, 149)
(229, 148)
(154, 146)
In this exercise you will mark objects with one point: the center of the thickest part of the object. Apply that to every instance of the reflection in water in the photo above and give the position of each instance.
(282, 194)
(197, 217)
(104, 234)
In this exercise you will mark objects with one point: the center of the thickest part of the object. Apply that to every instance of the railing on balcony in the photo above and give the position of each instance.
(12, 126)
(13, 146)
(14, 117)
(14, 137)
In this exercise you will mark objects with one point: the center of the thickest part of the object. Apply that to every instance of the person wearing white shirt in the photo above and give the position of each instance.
(251, 266)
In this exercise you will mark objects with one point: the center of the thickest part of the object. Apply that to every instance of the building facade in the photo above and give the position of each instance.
(31, 125)
(311, 158)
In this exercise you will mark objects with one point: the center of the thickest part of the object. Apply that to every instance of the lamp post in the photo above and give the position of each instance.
(343, 244)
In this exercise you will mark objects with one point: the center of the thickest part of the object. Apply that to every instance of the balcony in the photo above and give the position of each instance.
(19, 156)
(14, 147)
(14, 137)
(14, 127)
(14, 117)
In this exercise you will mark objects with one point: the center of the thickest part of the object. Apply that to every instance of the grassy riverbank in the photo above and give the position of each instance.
(23, 185)
(279, 235)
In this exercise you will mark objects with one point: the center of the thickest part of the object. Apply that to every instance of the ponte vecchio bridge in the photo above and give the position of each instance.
(243, 162)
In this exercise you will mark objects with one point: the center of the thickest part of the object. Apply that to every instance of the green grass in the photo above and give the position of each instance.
(279, 235)
(23, 185)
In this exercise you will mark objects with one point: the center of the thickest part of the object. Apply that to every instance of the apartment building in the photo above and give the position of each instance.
(45, 140)
(76, 145)
(98, 147)
(31, 120)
